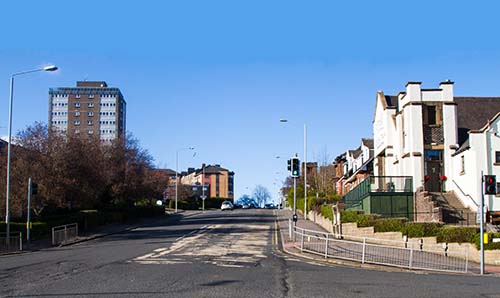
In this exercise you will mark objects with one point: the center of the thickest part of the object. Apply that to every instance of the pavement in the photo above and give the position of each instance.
(288, 246)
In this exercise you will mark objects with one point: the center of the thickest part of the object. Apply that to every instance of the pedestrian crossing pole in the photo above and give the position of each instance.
(481, 226)
(295, 200)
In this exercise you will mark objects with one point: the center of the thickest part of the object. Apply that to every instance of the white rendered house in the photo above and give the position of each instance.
(442, 141)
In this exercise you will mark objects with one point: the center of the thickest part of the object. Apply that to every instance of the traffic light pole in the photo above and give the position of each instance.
(481, 226)
(295, 200)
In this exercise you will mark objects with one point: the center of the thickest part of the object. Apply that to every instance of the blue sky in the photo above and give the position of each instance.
(218, 75)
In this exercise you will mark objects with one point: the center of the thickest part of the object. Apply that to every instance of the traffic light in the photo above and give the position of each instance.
(289, 165)
(34, 188)
(490, 184)
(295, 167)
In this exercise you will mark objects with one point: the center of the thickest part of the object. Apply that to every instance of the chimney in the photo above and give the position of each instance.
(447, 87)
(413, 91)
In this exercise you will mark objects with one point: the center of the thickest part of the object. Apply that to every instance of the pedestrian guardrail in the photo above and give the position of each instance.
(64, 233)
(410, 255)
(12, 243)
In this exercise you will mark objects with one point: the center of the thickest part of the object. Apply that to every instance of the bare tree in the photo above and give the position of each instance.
(261, 195)
(72, 172)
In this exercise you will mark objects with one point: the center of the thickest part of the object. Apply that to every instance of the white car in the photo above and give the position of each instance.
(226, 205)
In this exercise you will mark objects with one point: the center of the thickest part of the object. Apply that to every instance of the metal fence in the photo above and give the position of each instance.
(64, 233)
(12, 243)
(402, 254)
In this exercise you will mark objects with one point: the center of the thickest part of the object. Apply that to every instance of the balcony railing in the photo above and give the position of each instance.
(377, 184)
(391, 183)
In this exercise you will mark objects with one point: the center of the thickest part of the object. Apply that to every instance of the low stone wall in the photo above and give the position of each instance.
(492, 257)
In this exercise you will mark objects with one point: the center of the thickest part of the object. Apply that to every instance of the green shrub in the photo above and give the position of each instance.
(490, 244)
(456, 234)
(363, 220)
(389, 224)
(413, 229)
(326, 211)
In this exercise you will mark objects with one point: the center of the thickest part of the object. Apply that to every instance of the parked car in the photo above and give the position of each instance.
(226, 205)
(269, 206)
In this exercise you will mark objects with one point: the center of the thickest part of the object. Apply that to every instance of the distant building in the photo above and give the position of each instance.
(89, 110)
(218, 182)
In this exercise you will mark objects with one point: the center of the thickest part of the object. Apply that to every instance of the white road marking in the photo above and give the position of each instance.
(243, 247)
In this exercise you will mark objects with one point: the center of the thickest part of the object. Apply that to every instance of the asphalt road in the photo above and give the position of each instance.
(214, 254)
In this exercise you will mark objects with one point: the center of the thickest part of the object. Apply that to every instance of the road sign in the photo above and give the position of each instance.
(203, 197)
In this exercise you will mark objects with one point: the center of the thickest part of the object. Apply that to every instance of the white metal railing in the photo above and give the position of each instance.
(12, 243)
(64, 233)
(410, 255)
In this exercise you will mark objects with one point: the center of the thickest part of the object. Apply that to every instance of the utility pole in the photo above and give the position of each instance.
(305, 171)
(203, 188)
(28, 217)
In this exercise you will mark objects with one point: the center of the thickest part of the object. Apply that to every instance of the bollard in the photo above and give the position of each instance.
(445, 247)
(302, 242)
(411, 256)
(364, 251)
(326, 247)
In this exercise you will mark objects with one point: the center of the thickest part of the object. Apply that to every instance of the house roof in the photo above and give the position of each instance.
(473, 113)
(213, 169)
(168, 172)
(391, 101)
(368, 143)
(355, 153)
(340, 158)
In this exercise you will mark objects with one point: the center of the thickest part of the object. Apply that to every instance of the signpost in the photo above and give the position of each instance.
(203, 197)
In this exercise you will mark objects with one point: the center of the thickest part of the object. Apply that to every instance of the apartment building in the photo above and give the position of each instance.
(90, 110)
(217, 181)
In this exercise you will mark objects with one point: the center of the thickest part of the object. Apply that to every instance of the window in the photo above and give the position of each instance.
(431, 115)
(77, 131)
(91, 95)
(76, 122)
(77, 104)
(90, 122)
(77, 96)
(90, 104)
(77, 113)
(497, 157)
(498, 187)
(90, 131)
(90, 114)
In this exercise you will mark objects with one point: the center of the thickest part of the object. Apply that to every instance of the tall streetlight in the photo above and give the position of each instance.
(282, 120)
(177, 171)
(11, 101)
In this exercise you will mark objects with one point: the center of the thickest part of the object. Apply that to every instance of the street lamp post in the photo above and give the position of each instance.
(176, 173)
(282, 120)
(9, 138)
(203, 187)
